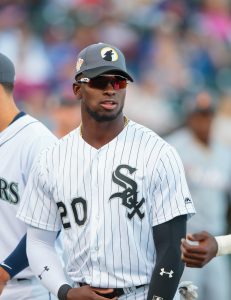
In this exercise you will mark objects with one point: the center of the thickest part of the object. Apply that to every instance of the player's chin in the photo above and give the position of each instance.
(108, 115)
(102, 115)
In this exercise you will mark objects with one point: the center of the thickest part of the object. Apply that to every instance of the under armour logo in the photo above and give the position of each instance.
(46, 269)
(129, 194)
(164, 272)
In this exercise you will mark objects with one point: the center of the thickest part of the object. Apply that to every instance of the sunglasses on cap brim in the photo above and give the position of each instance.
(101, 82)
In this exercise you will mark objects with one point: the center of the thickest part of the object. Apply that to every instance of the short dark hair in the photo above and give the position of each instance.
(8, 86)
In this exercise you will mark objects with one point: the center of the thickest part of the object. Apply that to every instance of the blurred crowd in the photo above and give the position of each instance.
(175, 50)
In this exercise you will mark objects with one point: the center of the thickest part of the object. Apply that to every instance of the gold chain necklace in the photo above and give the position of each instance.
(126, 120)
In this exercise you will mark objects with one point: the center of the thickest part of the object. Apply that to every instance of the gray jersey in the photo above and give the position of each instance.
(208, 173)
(107, 200)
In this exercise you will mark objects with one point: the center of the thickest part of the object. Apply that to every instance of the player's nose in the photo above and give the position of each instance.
(109, 90)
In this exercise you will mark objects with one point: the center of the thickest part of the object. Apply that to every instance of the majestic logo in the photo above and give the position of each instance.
(162, 272)
(109, 54)
(9, 191)
(129, 195)
(46, 269)
(187, 201)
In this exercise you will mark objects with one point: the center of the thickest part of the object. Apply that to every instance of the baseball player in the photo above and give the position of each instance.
(21, 139)
(208, 169)
(116, 190)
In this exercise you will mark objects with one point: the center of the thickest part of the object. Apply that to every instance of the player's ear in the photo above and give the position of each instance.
(76, 90)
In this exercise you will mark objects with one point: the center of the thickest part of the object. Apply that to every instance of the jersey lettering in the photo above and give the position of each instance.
(129, 195)
(9, 191)
(79, 209)
(63, 215)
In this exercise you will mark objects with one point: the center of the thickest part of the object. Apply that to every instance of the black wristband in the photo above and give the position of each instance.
(63, 290)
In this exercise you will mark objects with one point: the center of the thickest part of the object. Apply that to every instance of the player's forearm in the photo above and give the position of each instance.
(12, 265)
(224, 244)
(44, 260)
(166, 276)
(169, 267)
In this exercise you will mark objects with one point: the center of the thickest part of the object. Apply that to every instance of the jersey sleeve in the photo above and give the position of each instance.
(35, 145)
(37, 207)
(171, 196)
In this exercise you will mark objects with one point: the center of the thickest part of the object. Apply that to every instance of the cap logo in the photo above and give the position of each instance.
(79, 64)
(109, 54)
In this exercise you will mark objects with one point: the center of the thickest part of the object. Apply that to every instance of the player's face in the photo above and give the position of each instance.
(103, 97)
(200, 124)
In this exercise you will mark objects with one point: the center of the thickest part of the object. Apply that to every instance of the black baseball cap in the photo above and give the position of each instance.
(7, 71)
(101, 58)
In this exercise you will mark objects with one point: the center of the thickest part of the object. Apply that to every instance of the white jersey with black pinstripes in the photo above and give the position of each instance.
(107, 201)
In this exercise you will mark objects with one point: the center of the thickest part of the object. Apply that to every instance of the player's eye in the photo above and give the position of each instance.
(101, 82)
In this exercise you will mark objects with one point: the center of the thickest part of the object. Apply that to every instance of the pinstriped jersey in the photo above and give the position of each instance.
(20, 143)
(106, 201)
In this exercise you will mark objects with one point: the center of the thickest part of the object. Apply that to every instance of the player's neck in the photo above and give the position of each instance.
(8, 111)
(98, 134)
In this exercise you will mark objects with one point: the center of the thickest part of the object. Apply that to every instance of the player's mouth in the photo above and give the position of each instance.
(108, 104)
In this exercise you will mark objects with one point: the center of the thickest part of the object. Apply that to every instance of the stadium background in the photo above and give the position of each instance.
(174, 49)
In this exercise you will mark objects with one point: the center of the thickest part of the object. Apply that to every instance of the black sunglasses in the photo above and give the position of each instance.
(101, 82)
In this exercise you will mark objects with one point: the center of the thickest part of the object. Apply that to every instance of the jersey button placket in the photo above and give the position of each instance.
(94, 213)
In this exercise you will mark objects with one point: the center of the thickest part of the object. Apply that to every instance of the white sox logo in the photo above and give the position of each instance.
(170, 274)
(129, 195)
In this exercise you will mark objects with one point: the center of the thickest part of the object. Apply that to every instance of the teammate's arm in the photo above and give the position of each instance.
(4, 277)
(196, 256)
(47, 266)
(224, 244)
(11, 266)
(169, 267)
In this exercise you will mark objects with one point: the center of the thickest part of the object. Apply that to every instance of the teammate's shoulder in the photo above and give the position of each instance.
(222, 150)
(36, 126)
(180, 138)
(36, 135)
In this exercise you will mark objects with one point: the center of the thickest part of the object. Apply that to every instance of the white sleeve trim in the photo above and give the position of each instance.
(224, 244)
(44, 260)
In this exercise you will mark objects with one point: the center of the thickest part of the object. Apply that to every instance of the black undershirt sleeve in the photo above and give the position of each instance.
(169, 267)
